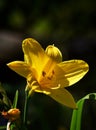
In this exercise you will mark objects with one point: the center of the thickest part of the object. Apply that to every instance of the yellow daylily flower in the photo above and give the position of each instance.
(47, 73)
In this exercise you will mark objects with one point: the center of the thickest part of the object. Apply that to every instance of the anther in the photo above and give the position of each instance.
(43, 73)
(53, 72)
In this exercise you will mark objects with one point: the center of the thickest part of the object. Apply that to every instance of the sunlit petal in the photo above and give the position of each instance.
(74, 70)
(53, 76)
(60, 80)
(33, 53)
(20, 67)
(54, 53)
(64, 97)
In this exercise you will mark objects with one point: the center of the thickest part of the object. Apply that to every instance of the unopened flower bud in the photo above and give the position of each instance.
(54, 53)
(12, 114)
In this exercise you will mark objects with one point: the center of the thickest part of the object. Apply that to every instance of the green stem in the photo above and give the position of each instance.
(25, 108)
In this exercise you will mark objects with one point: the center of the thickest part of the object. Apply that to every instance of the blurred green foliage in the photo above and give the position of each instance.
(66, 19)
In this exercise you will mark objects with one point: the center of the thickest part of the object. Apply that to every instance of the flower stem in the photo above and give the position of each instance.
(8, 126)
(25, 108)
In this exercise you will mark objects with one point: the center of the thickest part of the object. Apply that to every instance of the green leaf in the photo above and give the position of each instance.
(15, 99)
(76, 117)
(77, 114)
(73, 120)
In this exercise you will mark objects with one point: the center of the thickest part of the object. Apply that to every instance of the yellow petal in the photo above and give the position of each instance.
(64, 97)
(61, 80)
(54, 53)
(20, 67)
(74, 70)
(33, 53)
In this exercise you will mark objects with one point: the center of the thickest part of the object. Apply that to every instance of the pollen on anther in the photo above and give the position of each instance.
(43, 73)
(49, 78)
(53, 72)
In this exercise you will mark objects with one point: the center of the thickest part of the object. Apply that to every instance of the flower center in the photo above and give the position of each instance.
(48, 76)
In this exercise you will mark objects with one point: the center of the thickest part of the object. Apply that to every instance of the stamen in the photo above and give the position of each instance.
(51, 76)
(53, 72)
(43, 73)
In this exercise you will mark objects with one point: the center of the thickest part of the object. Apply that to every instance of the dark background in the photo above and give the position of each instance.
(71, 26)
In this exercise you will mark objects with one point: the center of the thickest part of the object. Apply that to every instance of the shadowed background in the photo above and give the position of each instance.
(71, 26)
